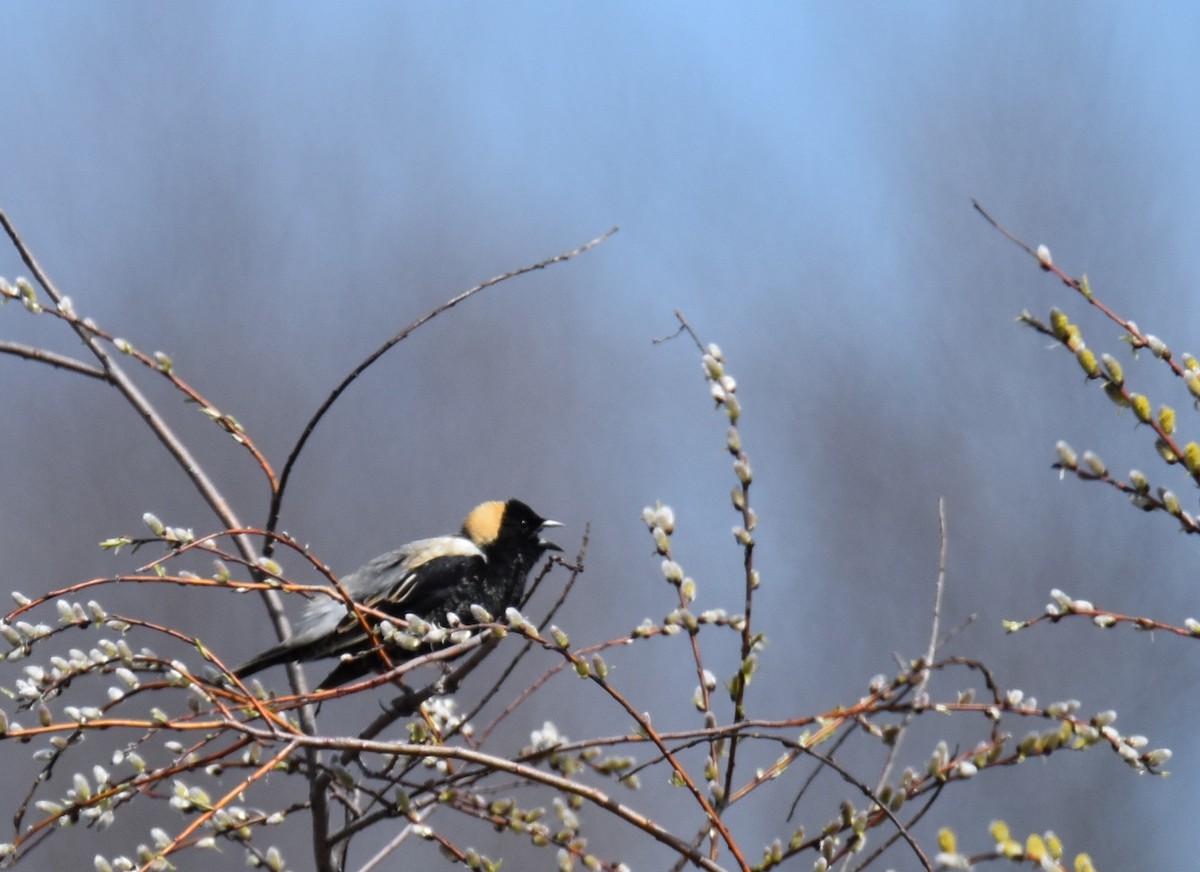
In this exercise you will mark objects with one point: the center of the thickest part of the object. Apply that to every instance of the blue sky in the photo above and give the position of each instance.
(267, 191)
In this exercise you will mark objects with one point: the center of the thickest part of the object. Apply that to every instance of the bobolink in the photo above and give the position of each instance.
(485, 564)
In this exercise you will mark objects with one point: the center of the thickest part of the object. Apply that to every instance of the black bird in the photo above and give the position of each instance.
(486, 564)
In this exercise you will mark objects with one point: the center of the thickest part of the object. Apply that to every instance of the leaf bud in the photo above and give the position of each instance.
(1059, 324)
(1166, 419)
(1170, 501)
(1191, 458)
(1157, 347)
(666, 519)
(1087, 360)
(1085, 287)
(1095, 464)
(1116, 374)
(1157, 757)
(1114, 393)
(1165, 451)
(1141, 408)
(662, 544)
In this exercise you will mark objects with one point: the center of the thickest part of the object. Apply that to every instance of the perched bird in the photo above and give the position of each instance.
(485, 564)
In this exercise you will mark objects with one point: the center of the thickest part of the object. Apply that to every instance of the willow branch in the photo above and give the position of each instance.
(293, 456)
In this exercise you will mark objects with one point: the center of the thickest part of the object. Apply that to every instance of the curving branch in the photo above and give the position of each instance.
(58, 361)
(294, 455)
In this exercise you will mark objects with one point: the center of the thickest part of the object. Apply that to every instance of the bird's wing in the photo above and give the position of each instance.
(422, 589)
(415, 579)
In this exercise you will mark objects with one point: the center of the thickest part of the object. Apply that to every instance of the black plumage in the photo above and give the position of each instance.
(485, 564)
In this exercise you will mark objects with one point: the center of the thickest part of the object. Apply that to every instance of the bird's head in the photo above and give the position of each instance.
(509, 522)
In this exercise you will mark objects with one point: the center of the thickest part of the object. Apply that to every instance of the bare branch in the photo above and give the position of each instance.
(293, 456)
(58, 361)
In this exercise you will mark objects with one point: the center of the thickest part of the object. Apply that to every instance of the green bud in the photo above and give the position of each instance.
(599, 667)
(687, 590)
(560, 638)
(1166, 419)
(1141, 408)
(1191, 457)
(1087, 360)
(1059, 324)
(1115, 373)
(1170, 501)
(1165, 451)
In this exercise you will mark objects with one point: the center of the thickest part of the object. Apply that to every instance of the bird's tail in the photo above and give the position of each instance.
(270, 657)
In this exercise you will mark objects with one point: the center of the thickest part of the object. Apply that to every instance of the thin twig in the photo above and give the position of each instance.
(874, 798)
(684, 326)
(930, 651)
(199, 821)
(1004, 231)
(200, 480)
(175, 447)
(576, 570)
(528, 773)
(293, 456)
(58, 361)
(390, 848)
(115, 374)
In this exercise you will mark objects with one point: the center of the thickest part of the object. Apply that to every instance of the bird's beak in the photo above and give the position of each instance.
(546, 544)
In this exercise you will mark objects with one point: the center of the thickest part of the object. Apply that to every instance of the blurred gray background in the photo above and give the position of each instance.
(266, 192)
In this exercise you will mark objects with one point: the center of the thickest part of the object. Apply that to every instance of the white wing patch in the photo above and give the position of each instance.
(322, 614)
(424, 550)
